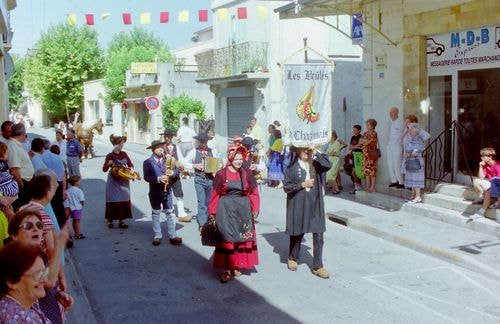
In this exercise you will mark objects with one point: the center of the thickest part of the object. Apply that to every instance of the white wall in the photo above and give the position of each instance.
(94, 91)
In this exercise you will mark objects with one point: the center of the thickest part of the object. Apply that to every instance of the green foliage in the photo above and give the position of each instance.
(137, 46)
(16, 83)
(66, 56)
(173, 107)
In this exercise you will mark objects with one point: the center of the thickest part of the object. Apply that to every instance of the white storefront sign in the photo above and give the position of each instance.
(463, 48)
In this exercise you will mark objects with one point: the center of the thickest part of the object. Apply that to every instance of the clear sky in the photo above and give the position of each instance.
(32, 17)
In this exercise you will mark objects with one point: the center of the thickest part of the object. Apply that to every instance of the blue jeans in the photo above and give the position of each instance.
(203, 189)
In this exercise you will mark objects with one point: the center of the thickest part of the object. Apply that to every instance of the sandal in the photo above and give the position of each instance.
(110, 224)
(123, 225)
(225, 276)
(79, 236)
(237, 273)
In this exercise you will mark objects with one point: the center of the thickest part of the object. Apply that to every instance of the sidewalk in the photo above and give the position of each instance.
(473, 250)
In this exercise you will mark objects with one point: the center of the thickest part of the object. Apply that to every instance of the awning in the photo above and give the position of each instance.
(319, 8)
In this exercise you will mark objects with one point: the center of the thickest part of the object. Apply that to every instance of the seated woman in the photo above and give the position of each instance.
(22, 276)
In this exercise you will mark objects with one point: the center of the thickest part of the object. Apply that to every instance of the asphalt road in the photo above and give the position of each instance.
(128, 280)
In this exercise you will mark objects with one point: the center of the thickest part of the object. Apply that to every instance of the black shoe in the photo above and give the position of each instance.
(393, 184)
(400, 186)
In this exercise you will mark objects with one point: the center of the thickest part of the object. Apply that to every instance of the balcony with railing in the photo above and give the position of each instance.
(232, 61)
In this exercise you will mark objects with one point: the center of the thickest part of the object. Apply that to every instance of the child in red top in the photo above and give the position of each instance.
(489, 168)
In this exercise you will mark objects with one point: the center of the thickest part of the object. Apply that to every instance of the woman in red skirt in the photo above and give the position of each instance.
(234, 204)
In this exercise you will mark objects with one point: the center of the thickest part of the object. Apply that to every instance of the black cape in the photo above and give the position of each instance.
(305, 210)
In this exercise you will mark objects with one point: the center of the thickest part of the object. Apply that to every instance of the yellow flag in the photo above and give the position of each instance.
(145, 18)
(222, 14)
(105, 15)
(72, 19)
(184, 16)
(261, 12)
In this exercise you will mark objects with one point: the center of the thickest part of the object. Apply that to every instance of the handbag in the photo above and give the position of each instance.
(412, 165)
(210, 235)
(375, 154)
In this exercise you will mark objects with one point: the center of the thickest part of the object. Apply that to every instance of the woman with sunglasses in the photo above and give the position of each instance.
(22, 277)
(26, 226)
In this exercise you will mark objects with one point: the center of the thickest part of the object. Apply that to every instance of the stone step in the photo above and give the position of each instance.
(456, 190)
(441, 210)
(451, 202)
(481, 225)
(400, 193)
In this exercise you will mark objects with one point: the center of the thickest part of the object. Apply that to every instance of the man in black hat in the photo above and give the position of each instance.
(170, 149)
(158, 174)
(253, 161)
(202, 180)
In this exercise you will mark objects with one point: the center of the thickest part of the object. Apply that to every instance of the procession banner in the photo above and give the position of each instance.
(308, 94)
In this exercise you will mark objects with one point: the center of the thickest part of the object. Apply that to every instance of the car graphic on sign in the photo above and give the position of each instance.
(497, 36)
(434, 47)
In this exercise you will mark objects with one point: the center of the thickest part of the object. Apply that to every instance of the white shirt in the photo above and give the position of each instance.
(395, 131)
(185, 134)
(75, 198)
(305, 166)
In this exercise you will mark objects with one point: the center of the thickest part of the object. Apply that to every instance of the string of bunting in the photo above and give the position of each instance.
(222, 14)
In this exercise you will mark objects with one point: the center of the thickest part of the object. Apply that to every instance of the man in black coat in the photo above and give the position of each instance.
(305, 208)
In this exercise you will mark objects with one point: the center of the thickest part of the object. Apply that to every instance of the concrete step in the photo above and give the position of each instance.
(476, 251)
(456, 190)
(440, 210)
(450, 202)
(481, 225)
(400, 193)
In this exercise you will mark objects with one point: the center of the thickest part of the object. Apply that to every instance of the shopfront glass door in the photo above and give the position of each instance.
(440, 118)
(479, 114)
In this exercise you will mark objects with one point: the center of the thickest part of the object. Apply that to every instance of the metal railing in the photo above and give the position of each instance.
(439, 155)
(232, 60)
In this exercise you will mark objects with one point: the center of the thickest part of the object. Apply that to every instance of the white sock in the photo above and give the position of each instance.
(180, 208)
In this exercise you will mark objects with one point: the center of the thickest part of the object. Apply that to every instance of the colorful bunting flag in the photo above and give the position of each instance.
(105, 16)
(127, 18)
(222, 14)
(71, 19)
(242, 13)
(184, 16)
(145, 18)
(261, 12)
(164, 16)
(90, 19)
(203, 15)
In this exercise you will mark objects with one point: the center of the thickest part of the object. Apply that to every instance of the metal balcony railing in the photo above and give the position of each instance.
(232, 60)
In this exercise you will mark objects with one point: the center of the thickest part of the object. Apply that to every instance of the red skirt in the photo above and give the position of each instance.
(232, 256)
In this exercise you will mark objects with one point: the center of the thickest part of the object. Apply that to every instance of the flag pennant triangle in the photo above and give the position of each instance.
(262, 12)
(203, 15)
(164, 16)
(105, 16)
(145, 18)
(222, 14)
(183, 16)
(90, 19)
(242, 13)
(71, 19)
(127, 18)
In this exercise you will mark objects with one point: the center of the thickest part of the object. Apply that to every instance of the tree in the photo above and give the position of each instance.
(173, 107)
(16, 83)
(65, 57)
(137, 46)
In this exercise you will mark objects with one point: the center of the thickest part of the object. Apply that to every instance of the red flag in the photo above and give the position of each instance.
(164, 15)
(242, 13)
(127, 19)
(203, 15)
(90, 19)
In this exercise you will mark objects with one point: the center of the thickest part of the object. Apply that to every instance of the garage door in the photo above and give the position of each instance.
(239, 113)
